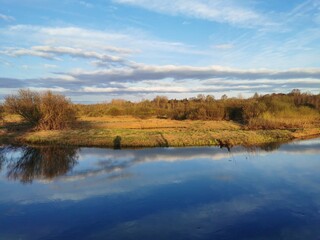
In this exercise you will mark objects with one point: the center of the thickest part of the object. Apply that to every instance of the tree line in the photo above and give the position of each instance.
(271, 111)
(259, 111)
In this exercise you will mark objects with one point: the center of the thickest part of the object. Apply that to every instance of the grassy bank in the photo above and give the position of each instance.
(125, 131)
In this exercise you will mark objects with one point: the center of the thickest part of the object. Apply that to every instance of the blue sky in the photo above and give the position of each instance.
(94, 51)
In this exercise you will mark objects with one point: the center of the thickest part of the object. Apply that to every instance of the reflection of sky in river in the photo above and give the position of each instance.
(158, 193)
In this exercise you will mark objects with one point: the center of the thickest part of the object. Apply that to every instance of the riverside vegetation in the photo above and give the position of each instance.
(30, 117)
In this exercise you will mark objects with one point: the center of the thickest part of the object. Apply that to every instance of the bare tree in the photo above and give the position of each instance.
(57, 112)
(1, 113)
(46, 111)
(26, 104)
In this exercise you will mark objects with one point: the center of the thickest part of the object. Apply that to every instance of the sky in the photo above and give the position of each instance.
(95, 51)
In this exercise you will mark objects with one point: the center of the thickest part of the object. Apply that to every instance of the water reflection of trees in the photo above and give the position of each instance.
(1, 160)
(38, 163)
(270, 147)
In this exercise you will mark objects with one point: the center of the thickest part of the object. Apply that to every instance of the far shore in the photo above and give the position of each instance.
(130, 132)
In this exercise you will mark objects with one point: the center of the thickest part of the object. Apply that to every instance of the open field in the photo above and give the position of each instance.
(127, 131)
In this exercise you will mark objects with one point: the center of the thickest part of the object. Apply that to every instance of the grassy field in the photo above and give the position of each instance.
(134, 132)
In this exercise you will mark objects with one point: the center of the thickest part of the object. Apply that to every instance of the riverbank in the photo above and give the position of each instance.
(130, 132)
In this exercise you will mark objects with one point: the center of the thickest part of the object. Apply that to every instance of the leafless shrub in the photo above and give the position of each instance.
(45, 111)
(56, 112)
(1, 113)
(25, 103)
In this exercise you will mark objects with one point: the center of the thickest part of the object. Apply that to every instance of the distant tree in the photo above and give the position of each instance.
(240, 96)
(295, 91)
(224, 97)
(209, 98)
(114, 111)
(253, 109)
(259, 111)
(202, 113)
(255, 95)
(118, 102)
(160, 101)
(201, 97)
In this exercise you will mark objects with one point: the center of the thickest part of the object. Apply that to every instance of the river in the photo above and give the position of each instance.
(161, 193)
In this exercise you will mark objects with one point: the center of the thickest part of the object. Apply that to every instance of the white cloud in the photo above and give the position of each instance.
(142, 72)
(138, 63)
(108, 40)
(76, 52)
(53, 89)
(17, 52)
(52, 53)
(49, 66)
(118, 50)
(224, 11)
(100, 90)
(156, 89)
(86, 4)
(223, 46)
(6, 18)
(183, 81)
(127, 43)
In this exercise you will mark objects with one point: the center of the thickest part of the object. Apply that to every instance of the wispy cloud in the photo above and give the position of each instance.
(6, 18)
(50, 66)
(140, 79)
(224, 11)
(17, 52)
(122, 43)
(52, 53)
(86, 4)
(80, 53)
(142, 72)
(127, 61)
(225, 46)
(118, 50)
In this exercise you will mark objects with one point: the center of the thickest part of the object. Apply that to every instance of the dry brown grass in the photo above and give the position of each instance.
(129, 122)
(11, 118)
(153, 132)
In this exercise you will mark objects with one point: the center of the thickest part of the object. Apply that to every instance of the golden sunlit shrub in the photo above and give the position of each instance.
(297, 117)
(1, 113)
(56, 112)
(45, 111)
(114, 111)
(26, 104)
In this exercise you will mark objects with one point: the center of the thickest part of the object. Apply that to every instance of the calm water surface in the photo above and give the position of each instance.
(161, 193)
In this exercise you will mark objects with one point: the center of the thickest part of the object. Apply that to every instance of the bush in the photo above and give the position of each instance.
(114, 111)
(56, 112)
(297, 118)
(46, 111)
(1, 113)
(26, 104)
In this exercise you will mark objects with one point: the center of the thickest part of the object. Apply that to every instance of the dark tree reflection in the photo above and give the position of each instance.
(40, 163)
(270, 147)
(1, 161)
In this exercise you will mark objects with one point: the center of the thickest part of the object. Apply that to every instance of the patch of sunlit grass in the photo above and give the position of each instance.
(12, 118)
(153, 132)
